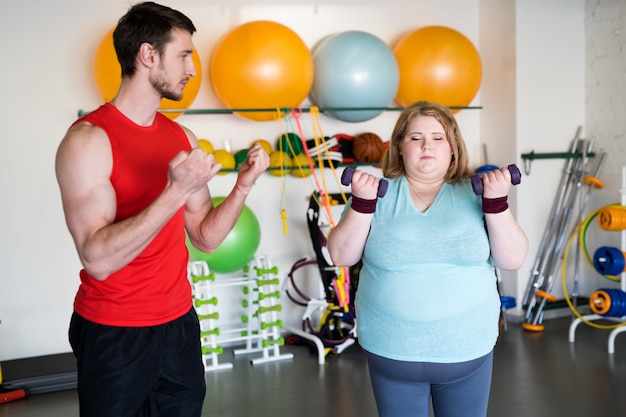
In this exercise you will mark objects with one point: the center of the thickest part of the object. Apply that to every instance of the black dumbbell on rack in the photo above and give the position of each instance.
(477, 181)
(346, 179)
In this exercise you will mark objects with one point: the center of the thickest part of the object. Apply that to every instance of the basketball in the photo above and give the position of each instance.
(368, 147)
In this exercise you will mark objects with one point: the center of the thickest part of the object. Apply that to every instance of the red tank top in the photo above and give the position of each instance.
(153, 289)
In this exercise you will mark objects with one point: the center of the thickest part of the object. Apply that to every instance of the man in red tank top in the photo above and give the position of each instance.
(132, 182)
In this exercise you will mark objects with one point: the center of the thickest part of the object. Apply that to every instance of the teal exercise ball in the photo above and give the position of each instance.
(354, 69)
(237, 249)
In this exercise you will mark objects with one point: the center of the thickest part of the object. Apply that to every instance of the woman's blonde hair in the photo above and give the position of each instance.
(393, 164)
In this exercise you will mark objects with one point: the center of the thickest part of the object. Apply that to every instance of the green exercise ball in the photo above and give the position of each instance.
(237, 249)
(290, 143)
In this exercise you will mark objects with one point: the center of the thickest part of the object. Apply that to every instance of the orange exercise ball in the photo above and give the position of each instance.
(261, 64)
(437, 64)
(108, 76)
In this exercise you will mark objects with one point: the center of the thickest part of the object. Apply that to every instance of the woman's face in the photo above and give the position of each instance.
(425, 150)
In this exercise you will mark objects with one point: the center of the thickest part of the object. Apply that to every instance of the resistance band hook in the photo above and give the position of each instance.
(528, 157)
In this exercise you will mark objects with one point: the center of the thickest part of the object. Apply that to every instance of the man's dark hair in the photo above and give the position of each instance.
(146, 22)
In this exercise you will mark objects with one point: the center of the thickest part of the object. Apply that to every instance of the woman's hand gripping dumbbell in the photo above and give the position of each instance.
(497, 187)
(477, 180)
(363, 205)
(346, 179)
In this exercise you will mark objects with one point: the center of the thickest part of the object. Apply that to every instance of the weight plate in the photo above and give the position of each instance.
(533, 327)
(516, 175)
(597, 183)
(600, 302)
(546, 295)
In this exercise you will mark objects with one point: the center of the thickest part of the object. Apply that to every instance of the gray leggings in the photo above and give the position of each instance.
(404, 389)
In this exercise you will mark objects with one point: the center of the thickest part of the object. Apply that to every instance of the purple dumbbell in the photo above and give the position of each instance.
(346, 179)
(477, 181)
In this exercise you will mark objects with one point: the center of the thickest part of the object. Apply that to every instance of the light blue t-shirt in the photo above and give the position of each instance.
(427, 290)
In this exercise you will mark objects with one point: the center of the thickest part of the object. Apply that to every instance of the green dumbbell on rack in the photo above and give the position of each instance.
(212, 301)
(267, 343)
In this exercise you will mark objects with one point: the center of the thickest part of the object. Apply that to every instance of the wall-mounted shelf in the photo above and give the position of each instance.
(336, 166)
(530, 157)
(287, 110)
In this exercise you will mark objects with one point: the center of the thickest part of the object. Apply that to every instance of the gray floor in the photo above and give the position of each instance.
(535, 374)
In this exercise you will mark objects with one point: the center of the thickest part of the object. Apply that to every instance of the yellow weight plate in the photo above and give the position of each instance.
(546, 295)
(612, 218)
(596, 182)
(533, 327)
(600, 302)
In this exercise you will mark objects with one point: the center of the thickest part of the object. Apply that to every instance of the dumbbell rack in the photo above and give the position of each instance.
(594, 317)
(267, 312)
(261, 330)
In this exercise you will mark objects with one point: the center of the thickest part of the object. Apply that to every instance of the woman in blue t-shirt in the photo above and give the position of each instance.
(427, 304)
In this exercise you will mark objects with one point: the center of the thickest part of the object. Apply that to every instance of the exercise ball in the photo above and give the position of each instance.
(240, 157)
(108, 77)
(437, 64)
(267, 147)
(354, 69)
(280, 163)
(205, 145)
(226, 159)
(301, 167)
(261, 64)
(237, 249)
(290, 143)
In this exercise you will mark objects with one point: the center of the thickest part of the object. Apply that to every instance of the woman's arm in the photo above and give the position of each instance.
(508, 242)
(347, 240)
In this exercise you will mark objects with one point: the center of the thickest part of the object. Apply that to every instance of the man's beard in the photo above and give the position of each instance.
(161, 86)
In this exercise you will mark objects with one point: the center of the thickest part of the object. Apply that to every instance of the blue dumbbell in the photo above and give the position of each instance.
(346, 179)
(477, 181)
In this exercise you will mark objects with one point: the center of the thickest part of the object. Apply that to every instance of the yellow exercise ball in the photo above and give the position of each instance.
(301, 167)
(278, 159)
(227, 159)
(267, 147)
(108, 77)
(437, 64)
(261, 64)
(205, 145)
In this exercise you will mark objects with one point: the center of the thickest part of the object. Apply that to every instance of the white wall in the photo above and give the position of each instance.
(550, 62)
(498, 118)
(605, 102)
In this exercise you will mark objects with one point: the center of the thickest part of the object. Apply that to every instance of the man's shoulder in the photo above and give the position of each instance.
(84, 138)
(85, 131)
